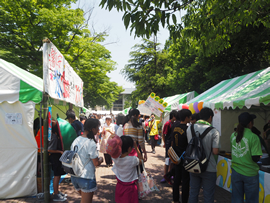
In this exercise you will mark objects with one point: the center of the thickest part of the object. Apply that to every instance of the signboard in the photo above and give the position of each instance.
(224, 179)
(143, 109)
(153, 104)
(60, 80)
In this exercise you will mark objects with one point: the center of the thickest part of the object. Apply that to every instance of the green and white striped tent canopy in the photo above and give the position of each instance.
(242, 91)
(17, 84)
(174, 101)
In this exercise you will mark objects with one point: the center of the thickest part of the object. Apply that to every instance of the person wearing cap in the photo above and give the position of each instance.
(77, 125)
(82, 119)
(107, 133)
(246, 152)
(153, 124)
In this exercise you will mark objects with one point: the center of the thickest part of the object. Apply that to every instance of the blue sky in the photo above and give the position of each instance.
(119, 42)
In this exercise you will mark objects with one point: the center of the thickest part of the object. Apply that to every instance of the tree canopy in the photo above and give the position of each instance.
(211, 22)
(25, 23)
(150, 69)
(181, 69)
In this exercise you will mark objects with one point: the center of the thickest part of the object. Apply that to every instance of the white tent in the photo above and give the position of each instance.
(19, 92)
(20, 96)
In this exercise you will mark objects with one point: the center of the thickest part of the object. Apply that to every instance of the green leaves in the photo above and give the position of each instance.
(127, 18)
(23, 25)
(146, 15)
(150, 69)
(174, 19)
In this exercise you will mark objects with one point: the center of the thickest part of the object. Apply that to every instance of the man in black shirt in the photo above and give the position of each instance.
(179, 144)
(77, 125)
(166, 137)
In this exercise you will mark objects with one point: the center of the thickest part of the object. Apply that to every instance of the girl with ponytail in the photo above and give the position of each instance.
(87, 150)
(246, 152)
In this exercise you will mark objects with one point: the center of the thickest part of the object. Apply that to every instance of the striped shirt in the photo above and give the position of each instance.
(135, 133)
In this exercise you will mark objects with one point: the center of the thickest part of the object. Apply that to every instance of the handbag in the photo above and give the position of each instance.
(156, 137)
(174, 157)
(146, 183)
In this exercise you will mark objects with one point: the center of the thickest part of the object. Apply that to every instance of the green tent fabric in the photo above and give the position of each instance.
(174, 101)
(84, 109)
(17, 84)
(246, 90)
(68, 133)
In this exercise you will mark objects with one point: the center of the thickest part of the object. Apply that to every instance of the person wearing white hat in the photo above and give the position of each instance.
(107, 133)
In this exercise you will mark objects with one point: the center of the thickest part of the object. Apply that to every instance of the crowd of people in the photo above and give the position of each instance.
(98, 132)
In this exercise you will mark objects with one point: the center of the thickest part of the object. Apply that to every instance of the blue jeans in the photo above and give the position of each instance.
(83, 184)
(208, 181)
(244, 184)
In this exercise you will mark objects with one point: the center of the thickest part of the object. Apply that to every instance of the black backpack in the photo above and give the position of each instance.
(195, 160)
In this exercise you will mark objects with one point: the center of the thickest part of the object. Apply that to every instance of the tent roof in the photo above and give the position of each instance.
(173, 101)
(125, 111)
(245, 90)
(17, 84)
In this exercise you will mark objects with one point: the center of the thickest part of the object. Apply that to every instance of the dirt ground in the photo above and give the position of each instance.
(106, 185)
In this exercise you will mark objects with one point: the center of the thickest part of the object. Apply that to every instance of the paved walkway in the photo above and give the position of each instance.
(106, 185)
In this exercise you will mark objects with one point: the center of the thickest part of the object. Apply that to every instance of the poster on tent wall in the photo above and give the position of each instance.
(216, 122)
(223, 180)
(154, 104)
(60, 80)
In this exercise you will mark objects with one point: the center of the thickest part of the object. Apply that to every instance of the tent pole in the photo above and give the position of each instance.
(46, 155)
(41, 148)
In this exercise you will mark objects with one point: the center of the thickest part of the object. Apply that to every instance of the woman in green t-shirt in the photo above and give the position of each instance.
(246, 152)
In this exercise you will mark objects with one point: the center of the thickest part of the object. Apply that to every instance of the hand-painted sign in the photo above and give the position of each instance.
(60, 80)
(153, 104)
(224, 179)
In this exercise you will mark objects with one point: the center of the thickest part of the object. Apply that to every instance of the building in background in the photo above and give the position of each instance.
(119, 104)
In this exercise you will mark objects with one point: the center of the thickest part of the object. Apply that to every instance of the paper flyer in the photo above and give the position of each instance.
(13, 118)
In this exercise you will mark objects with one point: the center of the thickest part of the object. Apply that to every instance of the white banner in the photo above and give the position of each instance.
(60, 80)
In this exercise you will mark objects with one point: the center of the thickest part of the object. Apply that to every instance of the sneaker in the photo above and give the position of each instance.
(58, 198)
(40, 196)
(167, 179)
(153, 151)
(67, 180)
(163, 180)
(64, 195)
